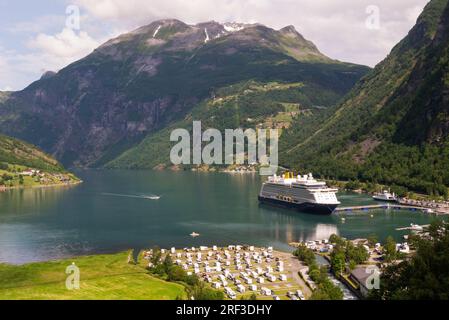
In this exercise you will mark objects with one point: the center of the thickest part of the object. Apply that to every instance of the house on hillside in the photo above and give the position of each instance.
(366, 278)
(29, 172)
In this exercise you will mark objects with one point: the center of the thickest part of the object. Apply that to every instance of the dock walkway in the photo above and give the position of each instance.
(414, 227)
(380, 206)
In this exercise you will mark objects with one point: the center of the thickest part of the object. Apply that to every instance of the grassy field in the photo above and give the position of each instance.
(102, 277)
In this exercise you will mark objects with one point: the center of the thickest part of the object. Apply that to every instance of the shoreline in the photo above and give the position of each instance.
(444, 210)
(331, 182)
(68, 257)
(4, 188)
(111, 252)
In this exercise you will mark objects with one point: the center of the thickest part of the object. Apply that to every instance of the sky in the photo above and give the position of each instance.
(47, 35)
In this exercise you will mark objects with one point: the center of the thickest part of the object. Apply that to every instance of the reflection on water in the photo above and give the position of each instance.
(29, 242)
(29, 201)
(323, 231)
(42, 224)
(292, 226)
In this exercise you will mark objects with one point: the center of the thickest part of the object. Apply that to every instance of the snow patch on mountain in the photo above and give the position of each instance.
(207, 36)
(157, 30)
(233, 26)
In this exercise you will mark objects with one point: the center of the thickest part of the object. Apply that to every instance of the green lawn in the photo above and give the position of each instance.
(102, 277)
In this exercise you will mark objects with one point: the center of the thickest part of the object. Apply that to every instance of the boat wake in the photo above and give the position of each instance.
(152, 197)
(148, 197)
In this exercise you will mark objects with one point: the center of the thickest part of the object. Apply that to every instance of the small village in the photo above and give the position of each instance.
(263, 273)
(14, 176)
(356, 276)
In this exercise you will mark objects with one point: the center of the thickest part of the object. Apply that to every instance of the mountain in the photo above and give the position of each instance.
(24, 165)
(249, 104)
(134, 86)
(14, 151)
(393, 126)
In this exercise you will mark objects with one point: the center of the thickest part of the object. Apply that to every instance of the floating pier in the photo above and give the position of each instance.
(416, 227)
(379, 206)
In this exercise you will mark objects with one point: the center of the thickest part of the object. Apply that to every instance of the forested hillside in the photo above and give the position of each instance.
(393, 126)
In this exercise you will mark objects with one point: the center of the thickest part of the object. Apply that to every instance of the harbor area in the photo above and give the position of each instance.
(396, 206)
(242, 271)
(439, 207)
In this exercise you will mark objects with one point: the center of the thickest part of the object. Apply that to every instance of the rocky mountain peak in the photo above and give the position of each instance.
(48, 74)
(289, 29)
(143, 80)
(235, 26)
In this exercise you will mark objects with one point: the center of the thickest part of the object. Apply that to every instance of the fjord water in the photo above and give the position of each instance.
(113, 211)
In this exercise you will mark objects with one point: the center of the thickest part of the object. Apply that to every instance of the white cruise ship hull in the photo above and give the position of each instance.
(303, 193)
(307, 207)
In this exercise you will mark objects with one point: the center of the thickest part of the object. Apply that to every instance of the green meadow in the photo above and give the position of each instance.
(102, 277)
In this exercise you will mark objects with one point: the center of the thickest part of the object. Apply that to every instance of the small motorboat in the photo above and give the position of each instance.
(385, 196)
(194, 234)
(415, 227)
(154, 197)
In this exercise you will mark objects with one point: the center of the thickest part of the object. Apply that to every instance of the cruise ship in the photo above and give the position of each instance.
(302, 192)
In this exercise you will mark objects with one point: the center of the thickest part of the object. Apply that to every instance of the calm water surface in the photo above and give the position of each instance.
(110, 212)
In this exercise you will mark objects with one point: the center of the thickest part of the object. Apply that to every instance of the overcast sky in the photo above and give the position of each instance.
(36, 36)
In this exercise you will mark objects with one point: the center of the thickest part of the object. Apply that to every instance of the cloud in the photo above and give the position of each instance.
(66, 45)
(47, 52)
(38, 24)
(5, 74)
(337, 27)
(17, 70)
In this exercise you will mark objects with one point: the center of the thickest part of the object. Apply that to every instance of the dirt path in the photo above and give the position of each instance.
(294, 265)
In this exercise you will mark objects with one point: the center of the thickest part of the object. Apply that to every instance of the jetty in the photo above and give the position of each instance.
(414, 227)
(381, 206)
